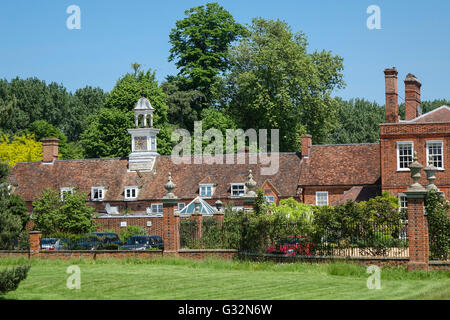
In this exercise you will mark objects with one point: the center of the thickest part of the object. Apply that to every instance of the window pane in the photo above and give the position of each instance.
(405, 154)
(435, 154)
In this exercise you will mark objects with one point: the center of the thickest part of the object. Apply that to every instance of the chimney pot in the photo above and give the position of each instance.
(50, 149)
(391, 92)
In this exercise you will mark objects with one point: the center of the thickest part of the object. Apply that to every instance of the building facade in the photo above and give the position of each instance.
(129, 191)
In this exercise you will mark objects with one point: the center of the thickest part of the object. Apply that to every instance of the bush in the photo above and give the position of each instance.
(10, 279)
(438, 225)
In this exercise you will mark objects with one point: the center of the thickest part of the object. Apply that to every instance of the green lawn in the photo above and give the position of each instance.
(216, 279)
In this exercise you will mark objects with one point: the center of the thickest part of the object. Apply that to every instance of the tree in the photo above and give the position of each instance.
(131, 87)
(182, 110)
(21, 148)
(13, 215)
(274, 83)
(107, 135)
(357, 121)
(51, 214)
(200, 44)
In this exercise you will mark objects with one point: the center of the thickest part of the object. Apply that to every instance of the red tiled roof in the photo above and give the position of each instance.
(358, 193)
(441, 114)
(33, 177)
(357, 164)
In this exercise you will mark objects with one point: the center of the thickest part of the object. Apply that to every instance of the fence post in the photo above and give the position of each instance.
(417, 221)
(35, 242)
(171, 228)
(197, 218)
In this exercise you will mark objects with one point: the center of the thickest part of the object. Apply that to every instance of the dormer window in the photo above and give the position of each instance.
(64, 191)
(237, 189)
(131, 193)
(97, 193)
(206, 190)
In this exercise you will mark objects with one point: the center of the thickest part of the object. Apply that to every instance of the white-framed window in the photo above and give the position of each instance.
(270, 199)
(322, 198)
(435, 153)
(131, 193)
(237, 189)
(97, 193)
(157, 209)
(206, 190)
(405, 150)
(153, 143)
(64, 191)
(181, 206)
(403, 201)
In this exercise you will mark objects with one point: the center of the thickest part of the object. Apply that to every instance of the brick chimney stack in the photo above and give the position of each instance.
(50, 149)
(412, 96)
(391, 89)
(306, 145)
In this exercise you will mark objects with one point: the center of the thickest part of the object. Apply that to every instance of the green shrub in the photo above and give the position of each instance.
(130, 231)
(10, 279)
(438, 225)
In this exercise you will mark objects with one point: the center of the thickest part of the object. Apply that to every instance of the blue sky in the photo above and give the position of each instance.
(34, 41)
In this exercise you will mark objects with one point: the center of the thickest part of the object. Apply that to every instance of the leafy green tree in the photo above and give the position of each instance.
(51, 214)
(274, 83)
(133, 86)
(200, 44)
(439, 225)
(130, 231)
(13, 215)
(181, 103)
(84, 103)
(357, 121)
(107, 136)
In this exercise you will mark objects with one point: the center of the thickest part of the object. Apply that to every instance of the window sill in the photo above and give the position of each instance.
(403, 170)
(130, 199)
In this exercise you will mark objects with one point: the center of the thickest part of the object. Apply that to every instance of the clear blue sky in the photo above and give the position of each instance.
(34, 40)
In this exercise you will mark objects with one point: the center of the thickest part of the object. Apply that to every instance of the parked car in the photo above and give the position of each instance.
(143, 242)
(293, 245)
(99, 241)
(55, 244)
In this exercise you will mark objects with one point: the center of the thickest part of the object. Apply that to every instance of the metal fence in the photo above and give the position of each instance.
(368, 239)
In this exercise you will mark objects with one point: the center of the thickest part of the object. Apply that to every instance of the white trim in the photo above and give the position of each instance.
(178, 205)
(425, 114)
(442, 152)
(236, 184)
(103, 189)
(317, 197)
(65, 189)
(205, 185)
(398, 155)
(131, 188)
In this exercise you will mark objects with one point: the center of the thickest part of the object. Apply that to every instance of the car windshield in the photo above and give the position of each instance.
(49, 241)
(288, 241)
(137, 240)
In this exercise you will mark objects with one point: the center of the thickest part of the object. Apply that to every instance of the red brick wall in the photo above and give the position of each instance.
(395, 181)
(114, 224)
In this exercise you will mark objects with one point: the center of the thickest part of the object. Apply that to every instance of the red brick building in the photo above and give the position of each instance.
(129, 191)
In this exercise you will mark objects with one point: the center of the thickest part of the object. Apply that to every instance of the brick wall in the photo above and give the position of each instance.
(395, 181)
(114, 224)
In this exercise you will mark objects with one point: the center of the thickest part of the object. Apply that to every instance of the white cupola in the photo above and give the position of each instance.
(143, 138)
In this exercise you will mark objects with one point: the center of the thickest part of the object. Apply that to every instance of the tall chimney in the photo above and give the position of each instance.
(391, 89)
(50, 149)
(306, 145)
(412, 96)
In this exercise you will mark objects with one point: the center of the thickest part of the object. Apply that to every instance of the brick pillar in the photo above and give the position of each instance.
(171, 220)
(417, 220)
(417, 232)
(171, 226)
(219, 218)
(412, 97)
(391, 93)
(35, 242)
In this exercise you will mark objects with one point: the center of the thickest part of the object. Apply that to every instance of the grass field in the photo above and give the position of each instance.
(155, 279)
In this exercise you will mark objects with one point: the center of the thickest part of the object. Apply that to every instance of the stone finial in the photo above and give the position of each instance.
(415, 168)
(250, 184)
(430, 171)
(169, 187)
